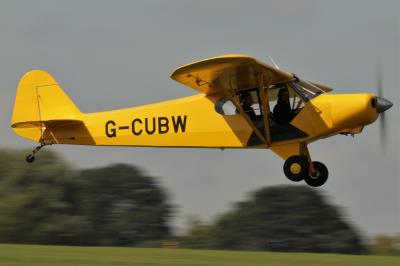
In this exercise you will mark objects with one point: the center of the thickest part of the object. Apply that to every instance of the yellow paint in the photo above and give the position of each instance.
(40, 99)
(44, 113)
(330, 114)
(227, 72)
(285, 150)
(38, 94)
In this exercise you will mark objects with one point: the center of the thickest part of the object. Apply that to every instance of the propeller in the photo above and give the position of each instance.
(273, 62)
(382, 105)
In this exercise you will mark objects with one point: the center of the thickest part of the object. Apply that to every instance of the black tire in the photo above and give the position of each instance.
(320, 177)
(30, 158)
(301, 173)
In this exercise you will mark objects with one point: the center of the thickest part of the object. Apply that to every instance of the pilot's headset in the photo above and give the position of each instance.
(243, 97)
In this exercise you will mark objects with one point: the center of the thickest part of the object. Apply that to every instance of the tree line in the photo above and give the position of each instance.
(50, 202)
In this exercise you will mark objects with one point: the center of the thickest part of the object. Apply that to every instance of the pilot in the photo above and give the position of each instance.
(247, 102)
(282, 112)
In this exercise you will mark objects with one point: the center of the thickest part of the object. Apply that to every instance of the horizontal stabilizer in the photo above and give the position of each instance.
(43, 124)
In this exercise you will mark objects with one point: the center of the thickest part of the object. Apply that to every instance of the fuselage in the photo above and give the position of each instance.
(193, 122)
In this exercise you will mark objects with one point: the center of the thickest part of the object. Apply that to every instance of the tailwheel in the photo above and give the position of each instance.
(296, 168)
(31, 157)
(319, 177)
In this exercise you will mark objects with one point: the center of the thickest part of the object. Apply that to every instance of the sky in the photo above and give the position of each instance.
(114, 54)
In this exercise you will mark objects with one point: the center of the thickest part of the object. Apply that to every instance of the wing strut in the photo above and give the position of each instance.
(236, 102)
(265, 107)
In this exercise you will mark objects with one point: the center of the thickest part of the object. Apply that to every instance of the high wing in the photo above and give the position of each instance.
(228, 72)
(232, 73)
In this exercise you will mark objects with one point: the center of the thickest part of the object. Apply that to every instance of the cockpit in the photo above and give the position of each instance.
(285, 102)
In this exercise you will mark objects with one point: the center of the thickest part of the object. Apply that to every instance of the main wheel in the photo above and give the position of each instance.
(296, 168)
(319, 177)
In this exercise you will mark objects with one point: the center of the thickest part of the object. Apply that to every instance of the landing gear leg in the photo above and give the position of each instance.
(319, 177)
(31, 157)
(317, 172)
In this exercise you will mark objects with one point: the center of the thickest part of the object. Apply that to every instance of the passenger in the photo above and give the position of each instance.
(247, 102)
(282, 112)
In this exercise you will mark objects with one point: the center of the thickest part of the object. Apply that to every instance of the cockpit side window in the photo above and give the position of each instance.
(225, 106)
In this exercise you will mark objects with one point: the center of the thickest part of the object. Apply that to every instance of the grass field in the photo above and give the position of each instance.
(78, 256)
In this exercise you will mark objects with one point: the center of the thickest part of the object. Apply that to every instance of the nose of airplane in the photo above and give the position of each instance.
(382, 104)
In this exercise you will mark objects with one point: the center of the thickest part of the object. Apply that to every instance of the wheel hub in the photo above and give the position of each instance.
(295, 168)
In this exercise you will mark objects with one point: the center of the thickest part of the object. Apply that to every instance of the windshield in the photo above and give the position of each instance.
(307, 90)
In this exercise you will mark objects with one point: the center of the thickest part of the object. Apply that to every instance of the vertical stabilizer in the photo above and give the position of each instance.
(40, 99)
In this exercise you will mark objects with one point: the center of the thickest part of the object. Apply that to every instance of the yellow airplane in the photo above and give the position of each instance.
(232, 110)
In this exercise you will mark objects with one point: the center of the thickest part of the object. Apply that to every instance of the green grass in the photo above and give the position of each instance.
(84, 256)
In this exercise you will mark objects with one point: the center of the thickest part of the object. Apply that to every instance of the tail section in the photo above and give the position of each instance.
(39, 102)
